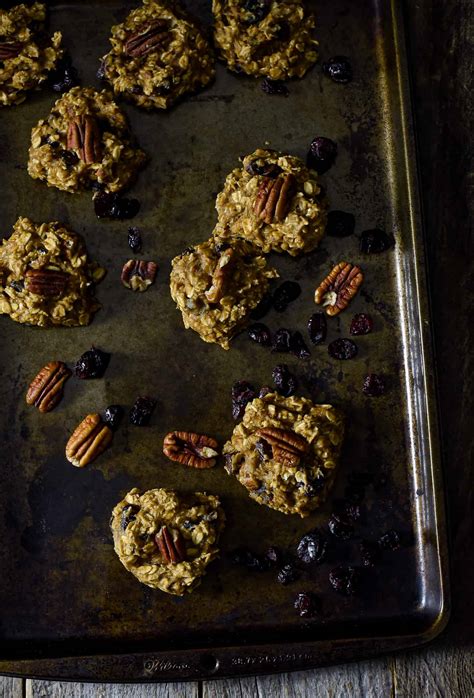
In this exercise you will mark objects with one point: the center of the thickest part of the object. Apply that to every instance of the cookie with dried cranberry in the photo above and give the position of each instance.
(271, 38)
(158, 55)
(285, 452)
(167, 539)
(275, 202)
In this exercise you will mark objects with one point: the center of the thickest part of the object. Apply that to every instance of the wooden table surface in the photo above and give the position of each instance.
(441, 36)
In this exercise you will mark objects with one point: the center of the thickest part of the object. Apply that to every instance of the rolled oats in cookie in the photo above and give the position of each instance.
(85, 141)
(27, 53)
(271, 38)
(46, 277)
(285, 452)
(216, 285)
(167, 539)
(158, 54)
(275, 202)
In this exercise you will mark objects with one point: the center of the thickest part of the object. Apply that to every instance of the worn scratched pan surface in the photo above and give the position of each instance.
(67, 607)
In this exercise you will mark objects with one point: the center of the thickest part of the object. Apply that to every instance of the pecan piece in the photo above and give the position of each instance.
(147, 38)
(274, 198)
(171, 545)
(339, 287)
(9, 49)
(287, 446)
(46, 282)
(46, 389)
(83, 135)
(222, 274)
(195, 450)
(138, 274)
(90, 438)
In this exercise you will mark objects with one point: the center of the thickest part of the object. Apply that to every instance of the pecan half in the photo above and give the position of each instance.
(339, 287)
(222, 274)
(147, 38)
(171, 545)
(46, 282)
(83, 135)
(287, 446)
(195, 450)
(46, 389)
(274, 198)
(90, 438)
(138, 274)
(9, 49)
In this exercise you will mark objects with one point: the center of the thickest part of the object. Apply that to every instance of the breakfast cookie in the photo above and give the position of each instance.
(275, 202)
(216, 285)
(285, 452)
(167, 539)
(85, 141)
(158, 54)
(46, 277)
(271, 38)
(27, 53)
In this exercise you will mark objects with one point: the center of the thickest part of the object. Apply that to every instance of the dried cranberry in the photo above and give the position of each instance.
(64, 76)
(257, 9)
(339, 69)
(321, 155)
(374, 385)
(264, 390)
(284, 380)
(113, 415)
(369, 553)
(361, 324)
(287, 292)
(298, 346)
(390, 540)
(288, 574)
(345, 579)
(306, 604)
(342, 349)
(275, 87)
(111, 205)
(311, 548)
(374, 241)
(92, 364)
(129, 514)
(134, 239)
(141, 412)
(340, 224)
(340, 528)
(317, 328)
(263, 168)
(260, 333)
(281, 341)
(262, 308)
(242, 393)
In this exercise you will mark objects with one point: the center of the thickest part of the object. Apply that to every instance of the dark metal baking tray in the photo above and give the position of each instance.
(67, 607)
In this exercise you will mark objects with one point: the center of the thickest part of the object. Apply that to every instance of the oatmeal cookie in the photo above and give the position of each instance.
(275, 202)
(167, 539)
(85, 140)
(272, 38)
(27, 53)
(158, 54)
(285, 452)
(46, 277)
(216, 285)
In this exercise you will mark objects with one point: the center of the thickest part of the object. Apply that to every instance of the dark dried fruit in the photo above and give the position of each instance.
(345, 579)
(317, 328)
(287, 292)
(340, 528)
(242, 393)
(134, 239)
(275, 87)
(111, 205)
(113, 415)
(390, 540)
(374, 241)
(141, 412)
(260, 333)
(264, 390)
(92, 364)
(361, 324)
(262, 308)
(306, 604)
(263, 168)
(311, 548)
(64, 76)
(264, 449)
(129, 514)
(257, 9)
(342, 349)
(281, 341)
(285, 382)
(273, 555)
(18, 285)
(340, 224)
(374, 385)
(288, 574)
(347, 510)
(298, 346)
(321, 155)
(369, 553)
(339, 69)
(248, 559)
(69, 158)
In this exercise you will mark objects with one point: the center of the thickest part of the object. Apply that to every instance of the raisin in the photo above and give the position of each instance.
(339, 69)
(262, 308)
(246, 558)
(281, 341)
(18, 285)
(311, 548)
(288, 574)
(298, 346)
(315, 485)
(361, 324)
(264, 390)
(242, 393)
(287, 292)
(321, 155)
(262, 168)
(345, 579)
(113, 415)
(306, 604)
(374, 241)
(390, 540)
(342, 349)
(317, 328)
(92, 364)
(285, 381)
(374, 385)
(340, 528)
(264, 449)
(141, 412)
(134, 239)
(340, 224)
(369, 553)
(275, 87)
(69, 158)
(64, 76)
(129, 514)
(273, 555)
(260, 333)
(257, 9)
(111, 205)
